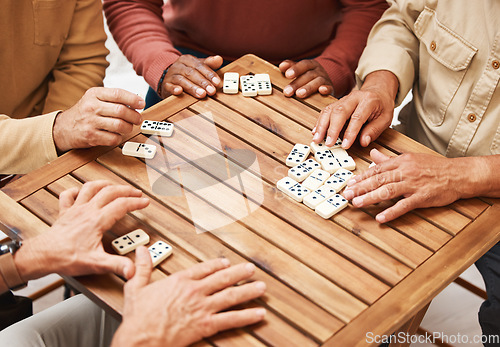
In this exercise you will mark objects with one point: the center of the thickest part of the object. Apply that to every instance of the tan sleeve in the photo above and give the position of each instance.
(27, 143)
(392, 45)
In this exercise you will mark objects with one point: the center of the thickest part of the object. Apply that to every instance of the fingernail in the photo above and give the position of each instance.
(289, 73)
(177, 89)
(211, 90)
(216, 80)
(348, 194)
(367, 140)
(357, 201)
(301, 92)
(314, 130)
(328, 141)
(261, 312)
(200, 92)
(346, 143)
(288, 90)
(250, 268)
(225, 262)
(381, 218)
(142, 103)
(261, 286)
(351, 182)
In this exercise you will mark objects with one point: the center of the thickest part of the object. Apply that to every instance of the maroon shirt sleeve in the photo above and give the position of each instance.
(341, 57)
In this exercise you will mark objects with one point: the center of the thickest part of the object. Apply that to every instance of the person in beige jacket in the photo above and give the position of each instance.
(52, 55)
(448, 54)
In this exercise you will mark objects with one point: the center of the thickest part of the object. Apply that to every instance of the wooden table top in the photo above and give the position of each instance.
(329, 281)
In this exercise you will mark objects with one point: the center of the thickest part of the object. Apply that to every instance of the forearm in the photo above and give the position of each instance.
(477, 176)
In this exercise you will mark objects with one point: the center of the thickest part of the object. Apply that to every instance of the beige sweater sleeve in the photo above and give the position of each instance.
(27, 143)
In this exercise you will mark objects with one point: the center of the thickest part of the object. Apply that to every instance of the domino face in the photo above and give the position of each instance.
(330, 165)
(303, 170)
(323, 155)
(331, 206)
(157, 128)
(316, 179)
(159, 251)
(263, 82)
(298, 154)
(248, 85)
(231, 83)
(318, 196)
(128, 242)
(321, 146)
(139, 150)
(292, 188)
(339, 179)
(347, 163)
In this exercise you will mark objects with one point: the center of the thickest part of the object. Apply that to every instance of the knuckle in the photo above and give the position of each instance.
(380, 180)
(391, 191)
(189, 71)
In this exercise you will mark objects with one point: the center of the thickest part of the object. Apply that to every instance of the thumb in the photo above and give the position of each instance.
(67, 199)
(120, 265)
(375, 128)
(378, 157)
(143, 268)
(214, 62)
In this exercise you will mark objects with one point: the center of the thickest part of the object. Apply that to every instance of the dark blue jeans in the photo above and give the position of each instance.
(489, 313)
(153, 98)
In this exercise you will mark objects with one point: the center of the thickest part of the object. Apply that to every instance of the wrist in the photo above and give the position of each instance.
(382, 79)
(58, 135)
(31, 260)
(470, 176)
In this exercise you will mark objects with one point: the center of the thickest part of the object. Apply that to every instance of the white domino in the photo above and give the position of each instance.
(331, 206)
(248, 85)
(323, 155)
(263, 83)
(292, 188)
(140, 150)
(298, 154)
(159, 251)
(347, 163)
(318, 196)
(231, 83)
(316, 179)
(150, 127)
(330, 165)
(321, 146)
(128, 242)
(339, 179)
(303, 170)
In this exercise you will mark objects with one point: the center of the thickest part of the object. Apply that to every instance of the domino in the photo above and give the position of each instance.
(316, 179)
(150, 127)
(128, 242)
(330, 165)
(347, 163)
(339, 179)
(139, 150)
(321, 146)
(323, 155)
(231, 83)
(263, 82)
(331, 206)
(248, 85)
(292, 188)
(318, 196)
(159, 251)
(298, 154)
(303, 170)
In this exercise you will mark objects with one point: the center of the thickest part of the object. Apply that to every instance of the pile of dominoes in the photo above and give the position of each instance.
(251, 85)
(317, 182)
(159, 251)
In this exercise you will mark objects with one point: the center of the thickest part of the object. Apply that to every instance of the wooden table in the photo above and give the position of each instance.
(329, 281)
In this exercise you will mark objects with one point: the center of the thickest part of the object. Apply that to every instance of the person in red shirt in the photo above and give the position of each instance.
(177, 46)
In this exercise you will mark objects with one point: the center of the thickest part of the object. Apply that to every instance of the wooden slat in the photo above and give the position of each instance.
(68, 162)
(345, 243)
(304, 314)
(415, 291)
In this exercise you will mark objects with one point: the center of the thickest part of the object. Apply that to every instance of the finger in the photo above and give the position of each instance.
(322, 123)
(117, 111)
(115, 210)
(235, 319)
(89, 190)
(67, 199)
(227, 277)
(300, 68)
(400, 208)
(112, 192)
(386, 165)
(341, 113)
(143, 269)
(171, 89)
(378, 157)
(326, 89)
(285, 65)
(383, 193)
(191, 84)
(120, 265)
(103, 138)
(120, 96)
(359, 116)
(114, 125)
(202, 270)
(308, 88)
(233, 296)
(214, 63)
(375, 128)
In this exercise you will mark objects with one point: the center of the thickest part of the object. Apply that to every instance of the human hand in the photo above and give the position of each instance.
(422, 180)
(372, 107)
(193, 75)
(73, 244)
(310, 77)
(99, 118)
(186, 306)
